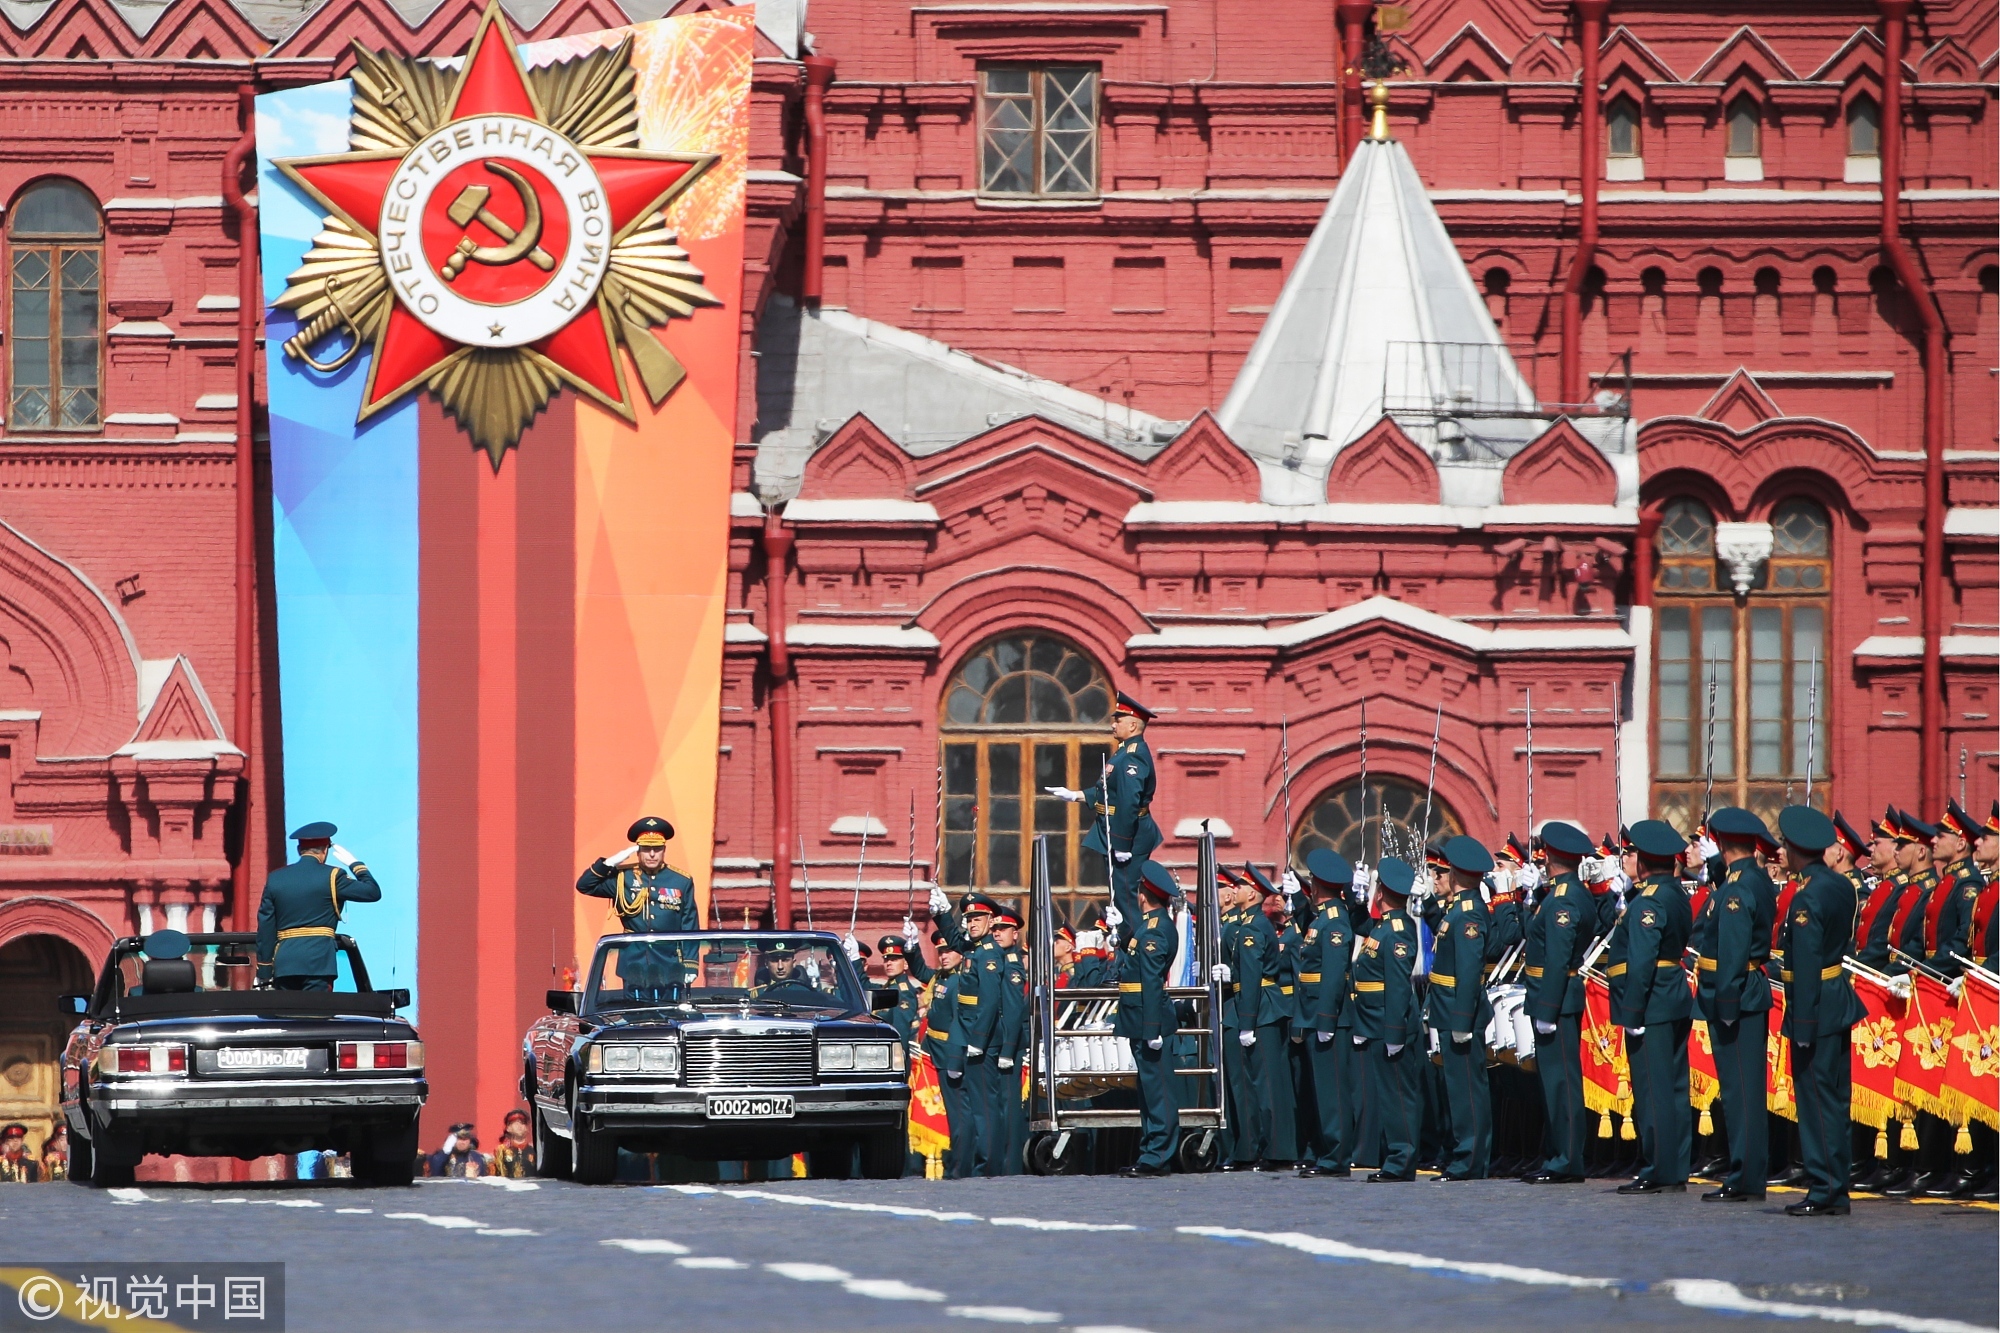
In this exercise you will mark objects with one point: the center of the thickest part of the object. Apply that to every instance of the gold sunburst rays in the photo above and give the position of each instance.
(339, 285)
(650, 280)
(397, 100)
(592, 100)
(494, 394)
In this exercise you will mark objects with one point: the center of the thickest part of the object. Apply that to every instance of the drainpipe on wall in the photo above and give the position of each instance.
(249, 301)
(1930, 759)
(819, 74)
(1589, 169)
(1352, 15)
(777, 555)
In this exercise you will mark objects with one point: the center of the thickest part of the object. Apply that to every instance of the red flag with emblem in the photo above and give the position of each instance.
(1972, 1065)
(1704, 1084)
(1607, 1077)
(1928, 1026)
(1778, 1092)
(1878, 1051)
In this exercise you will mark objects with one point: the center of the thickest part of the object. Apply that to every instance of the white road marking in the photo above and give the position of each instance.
(354, 1210)
(1710, 1294)
(1044, 1224)
(890, 1289)
(1333, 1249)
(1004, 1314)
(502, 1182)
(643, 1245)
(808, 1201)
(506, 1231)
(709, 1261)
(809, 1272)
(130, 1196)
(447, 1221)
(1105, 1328)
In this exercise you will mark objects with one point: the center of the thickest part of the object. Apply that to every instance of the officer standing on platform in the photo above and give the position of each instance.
(301, 909)
(1122, 805)
(1388, 1028)
(1146, 1020)
(1458, 1010)
(1820, 1008)
(1558, 936)
(1733, 939)
(1323, 962)
(649, 897)
(1650, 1000)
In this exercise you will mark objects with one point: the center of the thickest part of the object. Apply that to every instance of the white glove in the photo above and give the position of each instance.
(1635, 1032)
(975, 1050)
(1804, 1043)
(341, 854)
(851, 947)
(1361, 1041)
(1220, 972)
(1460, 1038)
(1393, 1047)
(1065, 793)
(1706, 846)
(1004, 1062)
(1246, 1038)
(939, 903)
(1289, 882)
(1528, 877)
(1156, 1043)
(619, 858)
(1900, 986)
(1121, 857)
(1323, 1037)
(1956, 985)
(1113, 917)
(954, 1073)
(910, 932)
(1544, 1028)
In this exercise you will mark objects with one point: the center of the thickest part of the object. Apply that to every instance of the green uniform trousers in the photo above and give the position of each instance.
(1471, 1102)
(1333, 1099)
(1660, 1110)
(1823, 1079)
(1272, 1063)
(989, 1133)
(1159, 1118)
(963, 1126)
(1559, 1062)
(1392, 1118)
(1248, 1121)
(1740, 1067)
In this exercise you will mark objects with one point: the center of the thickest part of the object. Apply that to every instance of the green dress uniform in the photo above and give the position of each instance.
(944, 1042)
(1820, 1011)
(1146, 1015)
(1455, 1004)
(981, 1001)
(909, 987)
(1121, 802)
(1649, 990)
(1385, 1015)
(647, 902)
(298, 917)
(1558, 936)
(1948, 930)
(1733, 939)
(1301, 1115)
(1013, 1039)
(1329, 948)
(1257, 1078)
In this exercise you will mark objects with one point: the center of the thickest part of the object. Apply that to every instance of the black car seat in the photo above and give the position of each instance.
(167, 976)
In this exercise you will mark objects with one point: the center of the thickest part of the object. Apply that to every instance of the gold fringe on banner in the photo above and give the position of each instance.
(1960, 1107)
(1872, 1109)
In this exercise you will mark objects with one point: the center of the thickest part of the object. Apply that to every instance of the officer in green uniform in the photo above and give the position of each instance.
(1323, 962)
(1121, 806)
(1733, 939)
(1650, 1000)
(1845, 855)
(1920, 873)
(1256, 1020)
(1388, 1028)
(649, 897)
(1558, 936)
(1948, 926)
(1820, 1008)
(981, 1002)
(1457, 1009)
(944, 1042)
(1146, 1020)
(1240, 1144)
(301, 908)
(1013, 1040)
(905, 971)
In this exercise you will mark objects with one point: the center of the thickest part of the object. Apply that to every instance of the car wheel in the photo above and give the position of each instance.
(392, 1157)
(593, 1153)
(110, 1169)
(885, 1154)
(551, 1150)
(79, 1159)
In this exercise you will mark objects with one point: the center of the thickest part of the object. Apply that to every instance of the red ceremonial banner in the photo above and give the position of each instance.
(1607, 1077)
(1704, 1085)
(1928, 1025)
(1778, 1091)
(1972, 1067)
(1878, 1051)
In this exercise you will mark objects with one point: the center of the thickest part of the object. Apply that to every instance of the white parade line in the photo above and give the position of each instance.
(641, 1245)
(902, 1210)
(1005, 1314)
(511, 1186)
(1699, 1293)
(452, 1222)
(709, 1261)
(881, 1289)
(1043, 1224)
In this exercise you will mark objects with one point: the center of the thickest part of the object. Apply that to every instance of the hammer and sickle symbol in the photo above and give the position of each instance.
(471, 205)
(329, 320)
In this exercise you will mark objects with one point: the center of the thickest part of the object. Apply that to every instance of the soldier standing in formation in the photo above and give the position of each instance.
(944, 1042)
(1146, 1020)
(1733, 938)
(1558, 936)
(1323, 964)
(1458, 1010)
(301, 909)
(1388, 1029)
(1650, 1000)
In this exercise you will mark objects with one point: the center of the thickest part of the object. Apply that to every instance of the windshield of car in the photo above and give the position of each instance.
(210, 965)
(791, 971)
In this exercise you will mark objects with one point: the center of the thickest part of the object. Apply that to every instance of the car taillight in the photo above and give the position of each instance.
(177, 1059)
(350, 1055)
(379, 1055)
(391, 1055)
(153, 1058)
(135, 1060)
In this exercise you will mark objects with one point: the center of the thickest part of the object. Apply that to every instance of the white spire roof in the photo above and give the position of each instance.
(1379, 300)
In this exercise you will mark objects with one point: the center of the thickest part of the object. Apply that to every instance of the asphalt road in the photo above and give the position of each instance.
(1205, 1254)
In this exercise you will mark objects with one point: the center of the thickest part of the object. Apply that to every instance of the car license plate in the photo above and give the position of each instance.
(262, 1057)
(749, 1108)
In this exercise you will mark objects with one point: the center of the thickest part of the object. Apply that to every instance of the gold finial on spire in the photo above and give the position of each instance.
(1378, 98)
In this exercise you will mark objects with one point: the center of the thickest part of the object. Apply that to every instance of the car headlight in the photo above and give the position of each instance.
(660, 1059)
(655, 1058)
(872, 1056)
(836, 1056)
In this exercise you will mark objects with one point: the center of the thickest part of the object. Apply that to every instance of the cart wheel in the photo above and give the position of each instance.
(1199, 1151)
(1069, 1153)
(1039, 1154)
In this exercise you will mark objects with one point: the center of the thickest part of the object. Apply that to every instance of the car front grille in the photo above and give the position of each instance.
(724, 1059)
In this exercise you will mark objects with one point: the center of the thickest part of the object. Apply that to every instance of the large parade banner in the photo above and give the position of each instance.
(504, 294)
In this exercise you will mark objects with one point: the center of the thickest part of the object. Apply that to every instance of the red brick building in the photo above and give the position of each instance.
(1006, 444)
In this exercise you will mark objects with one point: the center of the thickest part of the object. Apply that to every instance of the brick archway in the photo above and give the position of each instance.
(40, 914)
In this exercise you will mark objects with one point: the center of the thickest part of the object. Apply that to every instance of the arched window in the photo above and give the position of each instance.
(1745, 127)
(1621, 127)
(55, 288)
(1864, 127)
(1023, 712)
(1740, 681)
(1386, 823)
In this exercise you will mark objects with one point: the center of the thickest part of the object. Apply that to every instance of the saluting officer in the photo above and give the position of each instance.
(981, 1004)
(1388, 1027)
(1323, 964)
(1650, 1000)
(1820, 1008)
(1122, 800)
(1458, 1010)
(1558, 936)
(1146, 1020)
(944, 1042)
(649, 897)
(1733, 938)
(301, 907)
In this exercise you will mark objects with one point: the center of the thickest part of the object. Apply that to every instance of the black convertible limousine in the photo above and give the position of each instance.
(718, 1046)
(175, 1053)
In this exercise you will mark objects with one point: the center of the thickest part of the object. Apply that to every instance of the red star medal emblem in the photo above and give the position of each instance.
(513, 248)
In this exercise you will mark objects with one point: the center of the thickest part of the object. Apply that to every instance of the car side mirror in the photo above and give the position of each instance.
(884, 999)
(399, 998)
(562, 1001)
(73, 1005)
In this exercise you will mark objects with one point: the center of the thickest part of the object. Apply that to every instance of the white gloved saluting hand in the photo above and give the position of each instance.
(1289, 882)
(910, 932)
(939, 903)
(1121, 857)
(851, 947)
(342, 855)
(1070, 794)
(619, 858)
